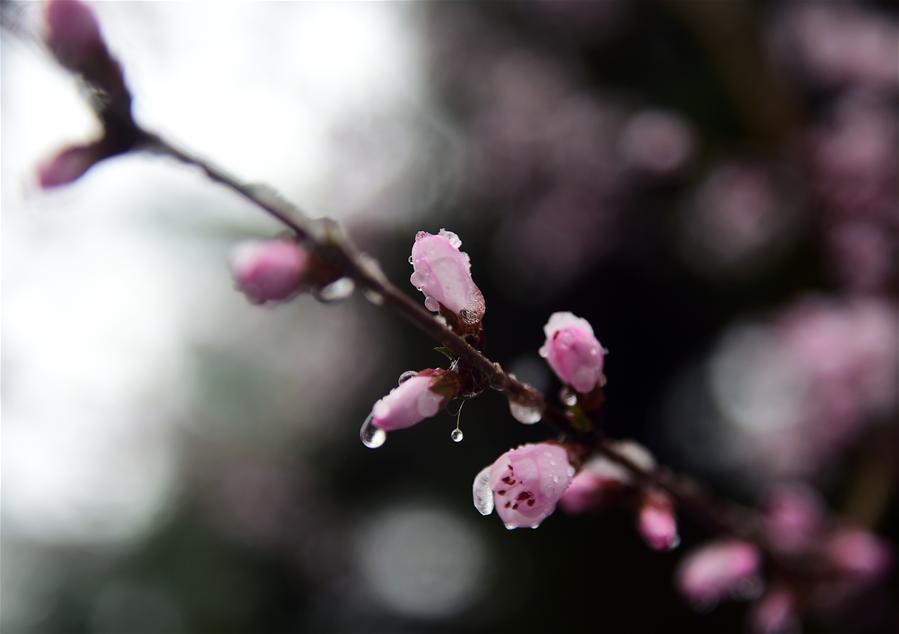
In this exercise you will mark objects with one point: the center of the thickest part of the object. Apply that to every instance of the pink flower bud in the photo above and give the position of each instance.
(724, 569)
(794, 518)
(859, 554)
(775, 613)
(573, 352)
(656, 522)
(524, 484)
(585, 493)
(67, 166)
(270, 270)
(415, 399)
(443, 274)
(72, 32)
(601, 479)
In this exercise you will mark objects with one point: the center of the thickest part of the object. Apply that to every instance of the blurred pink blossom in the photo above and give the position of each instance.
(72, 32)
(860, 554)
(719, 570)
(270, 270)
(573, 352)
(794, 518)
(775, 613)
(67, 166)
(656, 522)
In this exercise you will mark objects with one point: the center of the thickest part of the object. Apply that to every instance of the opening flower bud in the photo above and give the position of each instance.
(524, 484)
(720, 570)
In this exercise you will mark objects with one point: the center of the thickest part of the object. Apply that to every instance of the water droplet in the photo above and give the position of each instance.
(371, 435)
(405, 376)
(602, 380)
(525, 413)
(482, 494)
(337, 290)
(374, 297)
(431, 304)
(534, 525)
(457, 435)
(556, 479)
(410, 259)
(605, 351)
(452, 237)
(568, 396)
(674, 543)
(441, 319)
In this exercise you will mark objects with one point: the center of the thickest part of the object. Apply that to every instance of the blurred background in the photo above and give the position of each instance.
(713, 185)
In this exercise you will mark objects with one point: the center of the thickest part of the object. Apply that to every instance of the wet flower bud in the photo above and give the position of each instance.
(269, 270)
(67, 166)
(524, 484)
(73, 33)
(443, 274)
(573, 352)
(656, 522)
(415, 399)
(720, 570)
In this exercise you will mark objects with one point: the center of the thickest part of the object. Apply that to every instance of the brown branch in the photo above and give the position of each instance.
(328, 239)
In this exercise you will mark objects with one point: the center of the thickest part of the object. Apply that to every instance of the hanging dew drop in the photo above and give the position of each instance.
(371, 435)
(568, 397)
(457, 435)
(410, 260)
(337, 290)
(431, 304)
(405, 376)
(482, 494)
(525, 413)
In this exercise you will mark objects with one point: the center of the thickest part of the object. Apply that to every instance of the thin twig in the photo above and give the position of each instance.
(330, 241)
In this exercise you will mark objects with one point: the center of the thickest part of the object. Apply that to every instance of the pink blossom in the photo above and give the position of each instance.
(656, 522)
(723, 569)
(524, 484)
(73, 32)
(67, 166)
(774, 613)
(859, 554)
(794, 518)
(585, 493)
(601, 478)
(414, 400)
(443, 274)
(270, 270)
(573, 352)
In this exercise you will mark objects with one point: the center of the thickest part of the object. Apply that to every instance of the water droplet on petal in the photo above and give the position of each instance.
(371, 435)
(482, 494)
(524, 412)
(674, 543)
(431, 304)
(405, 376)
(410, 259)
(509, 527)
(452, 237)
(457, 435)
(374, 297)
(535, 525)
(337, 290)
(568, 396)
